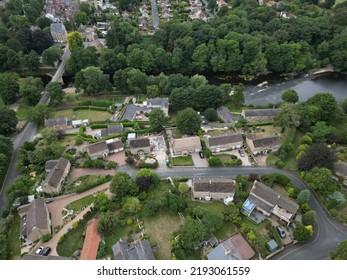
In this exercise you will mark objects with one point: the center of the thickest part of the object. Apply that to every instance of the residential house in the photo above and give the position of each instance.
(34, 220)
(287, 15)
(115, 145)
(340, 170)
(138, 250)
(112, 129)
(88, 34)
(140, 146)
(185, 146)
(268, 201)
(259, 115)
(264, 144)
(224, 142)
(91, 241)
(57, 172)
(78, 123)
(58, 32)
(161, 103)
(57, 123)
(98, 149)
(102, 25)
(214, 188)
(234, 248)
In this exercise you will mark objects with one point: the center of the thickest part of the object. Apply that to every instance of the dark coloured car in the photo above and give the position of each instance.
(201, 154)
(281, 232)
(46, 251)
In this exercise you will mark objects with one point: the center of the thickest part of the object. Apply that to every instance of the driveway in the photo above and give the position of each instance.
(117, 157)
(159, 149)
(198, 161)
(245, 159)
(56, 207)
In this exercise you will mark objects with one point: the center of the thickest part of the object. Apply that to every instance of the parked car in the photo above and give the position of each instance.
(46, 251)
(242, 153)
(201, 154)
(281, 232)
(39, 250)
(204, 122)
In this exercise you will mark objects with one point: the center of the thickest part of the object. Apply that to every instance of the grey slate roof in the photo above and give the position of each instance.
(131, 110)
(139, 250)
(162, 102)
(218, 185)
(234, 248)
(341, 167)
(261, 190)
(261, 112)
(33, 216)
(50, 164)
(225, 139)
(58, 27)
(112, 129)
(115, 145)
(139, 143)
(97, 147)
(56, 173)
(55, 122)
(287, 204)
(267, 141)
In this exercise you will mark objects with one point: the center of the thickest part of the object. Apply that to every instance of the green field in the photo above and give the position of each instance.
(183, 161)
(92, 115)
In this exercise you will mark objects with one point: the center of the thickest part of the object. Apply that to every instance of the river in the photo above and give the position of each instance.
(305, 85)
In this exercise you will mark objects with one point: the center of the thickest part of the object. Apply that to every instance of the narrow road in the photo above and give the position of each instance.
(27, 135)
(155, 14)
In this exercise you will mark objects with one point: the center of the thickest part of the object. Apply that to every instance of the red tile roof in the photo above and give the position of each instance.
(91, 241)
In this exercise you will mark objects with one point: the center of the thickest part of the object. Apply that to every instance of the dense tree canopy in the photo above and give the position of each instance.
(122, 186)
(8, 121)
(317, 155)
(188, 121)
(341, 252)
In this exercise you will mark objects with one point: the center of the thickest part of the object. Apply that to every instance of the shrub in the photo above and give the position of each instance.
(46, 237)
(215, 161)
(101, 103)
(96, 108)
(111, 165)
(97, 126)
(79, 141)
(80, 108)
(333, 212)
(279, 164)
(208, 153)
(309, 218)
(84, 103)
(183, 188)
(304, 207)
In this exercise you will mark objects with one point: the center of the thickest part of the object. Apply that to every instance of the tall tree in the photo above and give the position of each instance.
(157, 119)
(290, 96)
(122, 186)
(191, 234)
(8, 121)
(75, 41)
(188, 121)
(238, 96)
(317, 155)
(30, 90)
(146, 179)
(288, 117)
(52, 55)
(9, 90)
(39, 113)
(55, 92)
(108, 223)
(93, 81)
(320, 180)
(341, 252)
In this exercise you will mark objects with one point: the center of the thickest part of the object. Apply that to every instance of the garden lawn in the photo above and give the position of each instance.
(217, 132)
(78, 205)
(68, 141)
(160, 229)
(183, 161)
(73, 239)
(227, 230)
(224, 157)
(91, 115)
(13, 242)
(214, 206)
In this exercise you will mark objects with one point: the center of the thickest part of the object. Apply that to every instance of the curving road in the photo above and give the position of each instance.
(328, 232)
(27, 134)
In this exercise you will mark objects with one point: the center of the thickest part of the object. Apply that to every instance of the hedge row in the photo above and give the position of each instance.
(98, 125)
(259, 123)
(96, 108)
(98, 103)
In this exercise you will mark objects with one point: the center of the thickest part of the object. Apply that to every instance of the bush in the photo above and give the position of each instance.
(84, 103)
(208, 153)
(111, 165)
(129, 124)
(309, 218)
(79, 141)
(183, 179)
(96, 108)
(101, 103)
(304, 207)
(279, 164)
(333, 212)
(46, 237)
(80, 108)
(97, 126)
(303, 197)
(215, 162)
